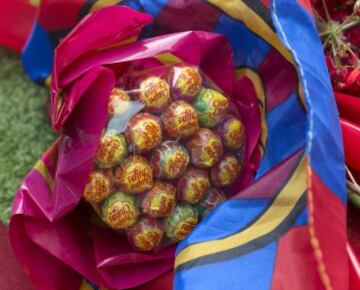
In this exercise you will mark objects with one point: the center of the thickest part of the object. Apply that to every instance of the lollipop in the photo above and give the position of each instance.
(193, 185)
(180, 120)
(118, 102)
(119, 210)
(181, 222)
(212, 199)
(111, 150)
(134, 175)
(205, 148)
(146, 234)
(143, 132)
(154, 94)
(232, 132)
(187, 82)
(225, 171)
(211, 107)
(169, 160)
(98, 186)
(160, 200)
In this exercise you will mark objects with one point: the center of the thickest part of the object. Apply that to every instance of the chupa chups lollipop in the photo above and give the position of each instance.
(98, 186)
(212, 199)
(169, 160)
(205, 148)
(232, 132)
(211, 107)
(146, 234)
(134, 175)
(193, 185)
(226, 171)
(186, 82)
(181, 222)
(118, 102)
(180, 119)
(160, 200)
(111, 150)
(143, 132)
(119, 210)
(154, 94)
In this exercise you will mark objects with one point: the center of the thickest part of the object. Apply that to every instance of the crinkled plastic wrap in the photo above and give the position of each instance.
(171, 151)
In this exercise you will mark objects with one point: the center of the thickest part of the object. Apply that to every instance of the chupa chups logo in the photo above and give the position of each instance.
(117, 101)
(176, 162)
(187, 119)
(162, 203)
(97, 187)
(184, 227)
(108, 148)
(139, 177)
(235, 134)
(191, 79)
(148, 239)
(220, 106)
(231, 167)
(156, 91)
(198, 187)
(121, 214)
(213, 149)
(152, 134)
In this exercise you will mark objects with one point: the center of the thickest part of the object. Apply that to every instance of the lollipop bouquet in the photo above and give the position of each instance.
(170, 152)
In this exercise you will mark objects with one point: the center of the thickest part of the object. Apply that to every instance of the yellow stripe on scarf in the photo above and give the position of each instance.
(279, 210)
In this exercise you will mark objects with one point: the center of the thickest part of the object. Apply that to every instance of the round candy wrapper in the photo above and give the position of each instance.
(146, 234)
(205, 148)
(212, 199)
(193, 185)
(232, 132)
(226, 171)
(154, 94)
(181, 222)
(186, 82)
(111, 150)
(211, 107)
(160, 200)
(134, 175)
(143, 132)
(119, 211)
(169, 160)
(118, 103)
(180, 119)
(98, 186)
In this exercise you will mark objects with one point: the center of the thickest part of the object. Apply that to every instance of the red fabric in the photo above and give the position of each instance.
(354, 246)
(349, 107)
(307, 5)
(11, 276)
(351, 138)
(192, 17)
(16, 20)
(295, 266)
(59, 14)
(329, 213)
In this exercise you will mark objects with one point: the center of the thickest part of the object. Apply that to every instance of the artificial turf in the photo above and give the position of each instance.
(25, 131)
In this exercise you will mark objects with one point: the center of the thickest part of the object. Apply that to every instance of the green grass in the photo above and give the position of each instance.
(25, 131)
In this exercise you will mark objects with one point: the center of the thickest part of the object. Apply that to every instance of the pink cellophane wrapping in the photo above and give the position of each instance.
(52, 232)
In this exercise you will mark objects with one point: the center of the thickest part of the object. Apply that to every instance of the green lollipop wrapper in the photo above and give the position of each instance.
(183, 219)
